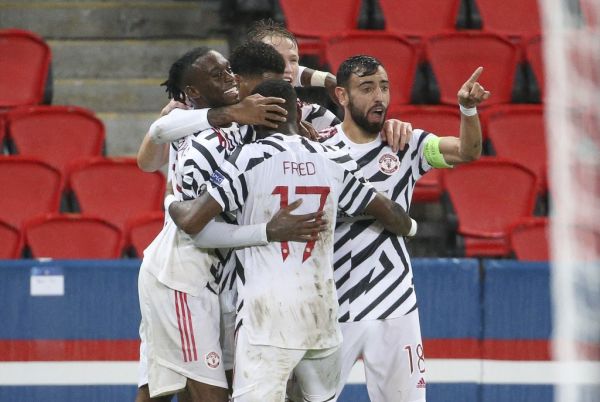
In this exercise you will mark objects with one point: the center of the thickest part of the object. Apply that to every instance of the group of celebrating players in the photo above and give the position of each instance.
(282, 259)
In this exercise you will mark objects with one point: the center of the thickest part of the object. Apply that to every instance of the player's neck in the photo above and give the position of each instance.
(356, 133)
(285, 129)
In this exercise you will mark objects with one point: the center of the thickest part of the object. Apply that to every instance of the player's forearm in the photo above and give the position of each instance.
(226, 235)
(391, 215)
(193, 215)
(470, 138)
(151, 156)
(178, 124)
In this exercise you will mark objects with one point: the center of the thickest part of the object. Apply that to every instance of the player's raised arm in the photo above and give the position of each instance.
(467, 147)
(391, 215)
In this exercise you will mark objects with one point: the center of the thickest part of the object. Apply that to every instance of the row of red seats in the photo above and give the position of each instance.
(452, 56)
(409, 17)
(113, 189)
(66, 236)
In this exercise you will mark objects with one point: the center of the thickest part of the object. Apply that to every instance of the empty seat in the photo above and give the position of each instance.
(533, 54)
(23, 68)
(56, 134)
(529, 239)
(488, 196)
(2, 133)
(454, 58)
(398, 57)
(510, 17)
(312, 20)
(441, 120)
(419, 18)
(144, 229)
(517, 132)
(115, 189)
(11, 241)
(73, 236)
(29, 187)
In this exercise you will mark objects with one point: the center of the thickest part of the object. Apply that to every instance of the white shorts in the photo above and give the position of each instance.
(182, 337)
(261, 372)
(392, 353)
(227, 301)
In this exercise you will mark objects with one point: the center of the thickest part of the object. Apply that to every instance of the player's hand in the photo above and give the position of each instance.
(172, 105)
(287, 227)
(472, 93)
(396, 133)
(259, 110)
(307, 130)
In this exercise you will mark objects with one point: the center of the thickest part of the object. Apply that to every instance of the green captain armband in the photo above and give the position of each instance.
(433, 156)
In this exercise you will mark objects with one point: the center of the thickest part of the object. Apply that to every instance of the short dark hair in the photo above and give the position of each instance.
(360, 65)
(280, 89)
(264, 28)
(178, 71)
(254, 58)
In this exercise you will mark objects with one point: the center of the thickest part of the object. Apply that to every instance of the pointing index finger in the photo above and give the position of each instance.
(475, 75)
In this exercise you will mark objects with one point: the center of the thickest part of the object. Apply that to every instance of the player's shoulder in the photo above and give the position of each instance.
(418, 138)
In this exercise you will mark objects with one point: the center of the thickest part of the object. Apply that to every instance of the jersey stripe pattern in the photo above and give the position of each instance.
(318, 116)
(373, 273)
(286, 292)
(198, 156)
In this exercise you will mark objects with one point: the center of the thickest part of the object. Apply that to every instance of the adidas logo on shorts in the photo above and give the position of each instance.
(421, 383)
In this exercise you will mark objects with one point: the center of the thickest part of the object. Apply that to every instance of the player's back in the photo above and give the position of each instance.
(288, 292)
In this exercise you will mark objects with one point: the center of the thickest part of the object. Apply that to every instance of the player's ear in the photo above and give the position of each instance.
(191, 92)
(342, 95)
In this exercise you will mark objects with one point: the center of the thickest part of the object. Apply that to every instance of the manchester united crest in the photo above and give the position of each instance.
(389, 163)
(212, 360)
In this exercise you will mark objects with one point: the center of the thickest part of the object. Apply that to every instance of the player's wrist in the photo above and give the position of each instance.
(222, 116)
(413, 228)
(468, 111)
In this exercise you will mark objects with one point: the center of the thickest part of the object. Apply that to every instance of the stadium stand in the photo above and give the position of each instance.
(24, 68)
(11, 241)
(115, 189)
(55, 134)
(486, 197)
(143, 230)
(29, 187)
(454, 57)
(517, 132)
(440, 120)
(2, 134)
(390, 49)
(501, 17)
(419, 19)
(529, 239)
(533, 55)
(72, 236)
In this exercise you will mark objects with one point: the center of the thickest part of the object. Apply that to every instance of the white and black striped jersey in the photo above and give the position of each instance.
(318, 116)
(373, 273)
(286, 292)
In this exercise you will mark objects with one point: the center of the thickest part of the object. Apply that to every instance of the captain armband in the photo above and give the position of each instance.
(433, 156)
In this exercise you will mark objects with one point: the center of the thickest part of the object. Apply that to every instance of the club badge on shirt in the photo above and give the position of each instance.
(389, 163)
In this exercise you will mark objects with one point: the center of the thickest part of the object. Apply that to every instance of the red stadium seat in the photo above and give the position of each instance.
(510, 17)
(23, 68)
(454, 57)
(29, 187)
(11, 241)
(419, 18)
(312, 20)
(533, 54)
(441, 120)
(398, 56)
(115, 189)
(2, 132)
(517, 132)
(529, 239)
(56, 134)
(73, 236)
(487, 197)
(144, 229)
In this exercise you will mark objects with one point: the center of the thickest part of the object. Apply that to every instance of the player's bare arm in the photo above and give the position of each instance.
(252, 110)
(467, 147)
(152, 156)
(315, 78)
(193, 215)
(390, 214)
